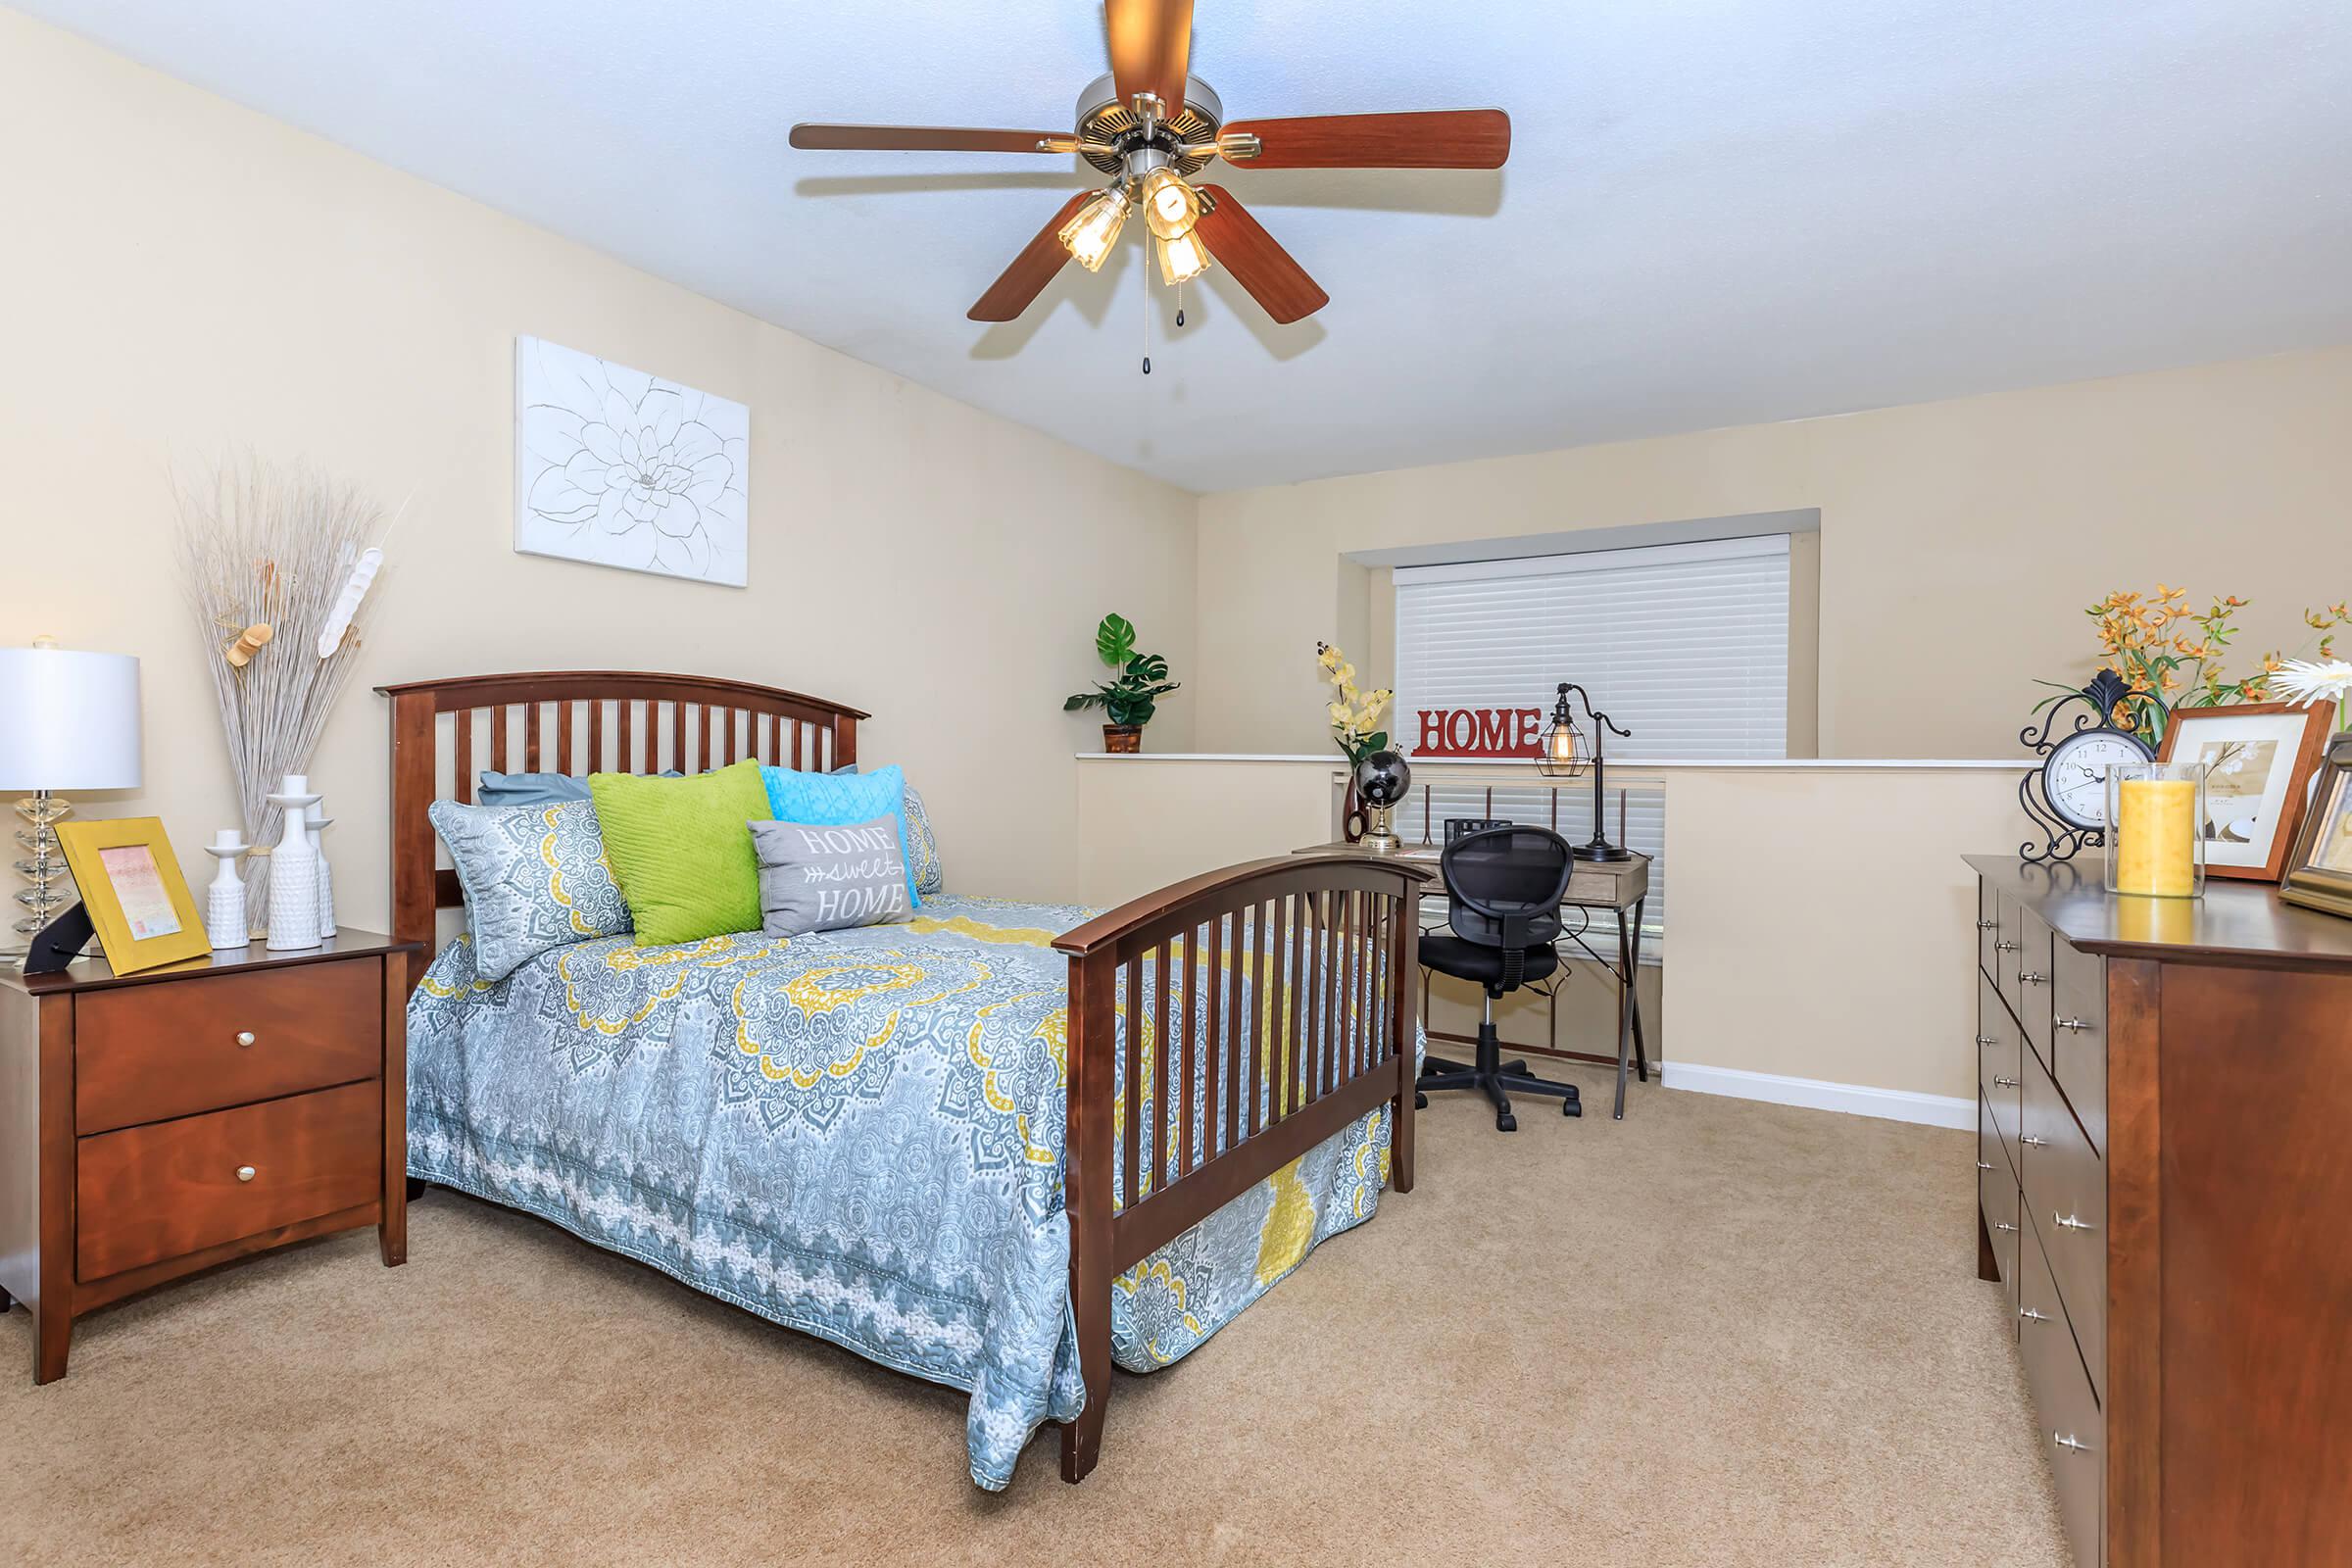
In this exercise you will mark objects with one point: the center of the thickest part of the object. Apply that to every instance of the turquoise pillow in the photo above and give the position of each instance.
(843, 800)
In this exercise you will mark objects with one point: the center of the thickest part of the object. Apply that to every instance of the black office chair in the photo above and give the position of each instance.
(1503, 887)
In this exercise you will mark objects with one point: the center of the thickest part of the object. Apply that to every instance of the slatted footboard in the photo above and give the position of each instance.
(1281, 993)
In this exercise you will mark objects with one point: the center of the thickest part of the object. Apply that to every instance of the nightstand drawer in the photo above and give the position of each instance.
(156, 1192)
(147, 1052)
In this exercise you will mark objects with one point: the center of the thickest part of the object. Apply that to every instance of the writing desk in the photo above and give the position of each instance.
(1621, 887)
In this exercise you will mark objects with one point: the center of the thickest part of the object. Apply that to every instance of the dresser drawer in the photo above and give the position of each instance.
(2001, 1069)
(1996, 1196)
(2065, 1190)
(155, 1192)
(2070, 1428)
(150, 1052)
(2079, 1036)
(2032, 982)
(1988, 928)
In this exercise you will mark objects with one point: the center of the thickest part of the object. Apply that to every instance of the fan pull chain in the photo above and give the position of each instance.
(1144, 272)
(1180, 305)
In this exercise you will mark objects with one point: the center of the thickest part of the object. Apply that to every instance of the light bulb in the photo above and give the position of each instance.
(1182, 258)
(1170, 205)
(1090, 236)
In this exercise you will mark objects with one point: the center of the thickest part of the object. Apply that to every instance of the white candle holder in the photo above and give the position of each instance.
(225, 900)
(318, 822)
(294, 871)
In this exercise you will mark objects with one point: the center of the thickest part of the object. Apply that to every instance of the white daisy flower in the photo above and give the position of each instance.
(2306, 681)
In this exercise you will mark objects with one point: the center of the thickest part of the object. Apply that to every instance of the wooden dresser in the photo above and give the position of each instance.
(2163, 1169)
(154, 1124)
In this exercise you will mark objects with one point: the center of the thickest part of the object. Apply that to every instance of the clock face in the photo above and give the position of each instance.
(2075, 775)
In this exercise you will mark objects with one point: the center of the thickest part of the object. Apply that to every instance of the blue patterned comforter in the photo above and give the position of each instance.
(858, 1134)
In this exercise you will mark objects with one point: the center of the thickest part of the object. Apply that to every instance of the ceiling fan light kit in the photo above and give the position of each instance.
(1151, 125)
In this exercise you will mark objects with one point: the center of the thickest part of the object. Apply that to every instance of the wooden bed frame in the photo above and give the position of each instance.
(1335, 937)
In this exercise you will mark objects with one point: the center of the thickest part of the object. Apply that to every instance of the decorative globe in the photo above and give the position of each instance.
(1383, 779)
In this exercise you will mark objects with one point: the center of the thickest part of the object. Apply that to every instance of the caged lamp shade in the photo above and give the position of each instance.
(69, 720)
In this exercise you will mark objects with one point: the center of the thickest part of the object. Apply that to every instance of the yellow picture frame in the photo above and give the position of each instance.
(130, 884)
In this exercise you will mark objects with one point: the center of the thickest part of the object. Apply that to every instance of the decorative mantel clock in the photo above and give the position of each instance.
(2067, 794)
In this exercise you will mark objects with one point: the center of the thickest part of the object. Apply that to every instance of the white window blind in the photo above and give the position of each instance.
(1685, 644)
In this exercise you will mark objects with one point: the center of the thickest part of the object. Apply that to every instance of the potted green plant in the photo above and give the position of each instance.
(1128, 698)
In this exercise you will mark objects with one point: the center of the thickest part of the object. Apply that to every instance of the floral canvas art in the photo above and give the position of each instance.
(622, 469)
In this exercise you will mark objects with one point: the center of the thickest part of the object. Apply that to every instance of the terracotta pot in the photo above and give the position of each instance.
(1122, 737)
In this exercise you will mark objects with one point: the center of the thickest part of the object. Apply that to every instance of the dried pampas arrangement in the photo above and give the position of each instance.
(278, 564)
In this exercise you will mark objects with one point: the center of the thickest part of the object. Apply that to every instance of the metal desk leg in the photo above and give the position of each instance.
(1625, 1012)
(1632, 993)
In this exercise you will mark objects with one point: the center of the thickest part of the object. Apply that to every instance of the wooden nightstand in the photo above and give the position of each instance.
(154, 1124)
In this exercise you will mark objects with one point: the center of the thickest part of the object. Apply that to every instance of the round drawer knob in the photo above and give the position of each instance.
(1989, 1039)
(2070, 1443)
(2032, 1317)
(1998, 1082)
(245, 1038)
(1988, 925)
(2067, 1222)
(2075, 1024)
(244, 1173)
(2031, 1142)
(2006, 947)
(2027, 977)
(2004, 1227)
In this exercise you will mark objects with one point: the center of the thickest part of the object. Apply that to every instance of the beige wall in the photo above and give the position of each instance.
(182, 276)
(1959, 540)
(1821, 925)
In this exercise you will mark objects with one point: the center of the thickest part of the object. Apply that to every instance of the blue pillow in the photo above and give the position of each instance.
(534, 789)
(843, 800)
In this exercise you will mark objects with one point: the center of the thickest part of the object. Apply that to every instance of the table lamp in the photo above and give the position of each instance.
(1564, 757)
(69, 720)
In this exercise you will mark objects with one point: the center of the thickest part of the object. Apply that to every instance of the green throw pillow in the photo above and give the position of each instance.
(682, 851)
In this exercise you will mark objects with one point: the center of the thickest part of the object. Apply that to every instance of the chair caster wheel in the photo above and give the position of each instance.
(1569, 1108)
(1420, 1101)
(1506, 1123)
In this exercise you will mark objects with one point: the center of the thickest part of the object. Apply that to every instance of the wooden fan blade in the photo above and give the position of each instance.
(1438, 138)
(1031, 270)
(918, 139)
(1255, 260)
(1150, 48)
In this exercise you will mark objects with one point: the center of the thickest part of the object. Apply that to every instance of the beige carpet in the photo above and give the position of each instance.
(1717, 1333)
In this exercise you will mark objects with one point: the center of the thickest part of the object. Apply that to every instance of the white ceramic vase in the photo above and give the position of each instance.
(320, 823)
(225, 900)
(294, 871)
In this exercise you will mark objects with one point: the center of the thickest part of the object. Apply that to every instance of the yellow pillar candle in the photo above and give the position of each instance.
(2154, 837)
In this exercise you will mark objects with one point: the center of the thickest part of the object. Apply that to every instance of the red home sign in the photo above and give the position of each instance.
(1480, 732)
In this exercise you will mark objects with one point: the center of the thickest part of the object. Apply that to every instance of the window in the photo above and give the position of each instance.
(1685, 644)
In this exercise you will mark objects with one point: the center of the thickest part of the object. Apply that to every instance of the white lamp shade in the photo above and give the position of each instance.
(69, 720)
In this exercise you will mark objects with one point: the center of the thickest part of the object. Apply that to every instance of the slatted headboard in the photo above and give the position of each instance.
(576, 721)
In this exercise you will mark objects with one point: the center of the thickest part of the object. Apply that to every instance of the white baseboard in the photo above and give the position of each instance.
(1814, 1094)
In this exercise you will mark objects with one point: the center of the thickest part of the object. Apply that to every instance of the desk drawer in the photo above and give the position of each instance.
(171, 1188)
(2065, 1190)
(153, 1051)
(2000, 1068)
(2069, 1426)
(2079, 1036)
(1996, 1196)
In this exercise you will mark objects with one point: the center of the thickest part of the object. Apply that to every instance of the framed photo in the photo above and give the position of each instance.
(2258, 759)
(130, 884)
(2319, 873)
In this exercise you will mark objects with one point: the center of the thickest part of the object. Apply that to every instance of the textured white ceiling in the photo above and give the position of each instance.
(1716, 212)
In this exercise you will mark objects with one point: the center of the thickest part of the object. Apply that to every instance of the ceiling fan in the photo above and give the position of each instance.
(1151, 125)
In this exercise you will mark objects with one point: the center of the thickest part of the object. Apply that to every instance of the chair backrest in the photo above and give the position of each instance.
(1504, 885)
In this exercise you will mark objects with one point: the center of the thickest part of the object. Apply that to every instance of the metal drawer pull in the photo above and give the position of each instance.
(244, 1173)
(2027, 977)
(1984, 1165)
(1989, 1039)
(2077, 1024)
(2031, 1142)
(1987, 925)
(2067, 1222)
(2070, 1443)
(2002, 1225)
(2006, 947)
(2032, 1317)
(245, 1038)
(1999, 1082)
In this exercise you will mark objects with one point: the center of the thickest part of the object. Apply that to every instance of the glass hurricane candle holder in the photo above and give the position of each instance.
(2156, 838)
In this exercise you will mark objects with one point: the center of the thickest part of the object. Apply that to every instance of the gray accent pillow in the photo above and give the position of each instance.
(826, 878)
(535, 788)
(535, 879)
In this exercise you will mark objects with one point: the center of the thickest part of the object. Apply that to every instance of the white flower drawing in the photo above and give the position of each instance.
(628, 470)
